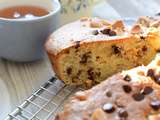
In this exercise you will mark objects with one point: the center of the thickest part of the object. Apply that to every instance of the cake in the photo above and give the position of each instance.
(129, 95)
(89, 50)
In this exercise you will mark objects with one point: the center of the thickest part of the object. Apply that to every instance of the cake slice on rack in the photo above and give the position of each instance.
(89, 50)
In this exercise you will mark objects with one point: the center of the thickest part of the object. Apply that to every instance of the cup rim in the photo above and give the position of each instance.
(37, 18)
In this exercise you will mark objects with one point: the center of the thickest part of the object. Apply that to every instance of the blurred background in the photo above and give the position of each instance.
(108, 9)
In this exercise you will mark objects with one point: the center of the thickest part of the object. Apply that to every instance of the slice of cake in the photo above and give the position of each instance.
(89, 50)
(129, 95)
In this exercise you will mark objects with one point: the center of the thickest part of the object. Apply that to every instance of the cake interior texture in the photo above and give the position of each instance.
(94, 62)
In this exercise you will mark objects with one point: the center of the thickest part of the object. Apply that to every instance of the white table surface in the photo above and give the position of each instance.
(19, 80)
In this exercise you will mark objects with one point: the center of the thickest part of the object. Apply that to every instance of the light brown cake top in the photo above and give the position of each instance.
(130, 95)
(94, 29)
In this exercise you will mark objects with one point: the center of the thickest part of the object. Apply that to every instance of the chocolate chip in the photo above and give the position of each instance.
(112, 33)
(69, 70)
(127, 78)
(97, 57)
(109, 32)
(67, 51)
(57, 117)
(116, 49)
(106, 31)
(156, 78)
(127, 88)
(144, 48)
(123, 113)
(138, 96)
(158, 50)
(108, 94)
(90, 73)
(109, 108)
(93, 73)
(142, 37)
(77, 44)
(155, 104)
(151, 73)
(146, 90)
(95, 32)
(85, 57)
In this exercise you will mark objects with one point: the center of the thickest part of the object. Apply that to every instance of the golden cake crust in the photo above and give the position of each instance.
(79, 30)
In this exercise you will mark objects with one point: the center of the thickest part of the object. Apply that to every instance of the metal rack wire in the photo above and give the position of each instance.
(44, 103)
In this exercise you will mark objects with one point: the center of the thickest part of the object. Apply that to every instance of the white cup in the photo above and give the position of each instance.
(23, 39)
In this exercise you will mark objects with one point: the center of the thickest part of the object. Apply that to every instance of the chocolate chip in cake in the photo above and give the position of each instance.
(85, 57)
(77, 44)
(127, 78)
(109, 108)
(142, 37)
(116, 49)
(112, 33)
(109, 32)
(127, 88)
(105, 31)
(97, 57)
(122, 113)
(69, 70)
(109, 94)
(138, 96)
(144, 48)
(139, 53)
(57, 117)
(155, 104)
(151, 73)
(158, 50)
(95, 32)
(90, 73)
(146, 90)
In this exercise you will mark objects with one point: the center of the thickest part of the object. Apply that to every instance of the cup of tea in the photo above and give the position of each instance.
(24, 27)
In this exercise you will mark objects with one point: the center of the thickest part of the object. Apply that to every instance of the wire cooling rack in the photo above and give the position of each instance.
(45, 102)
